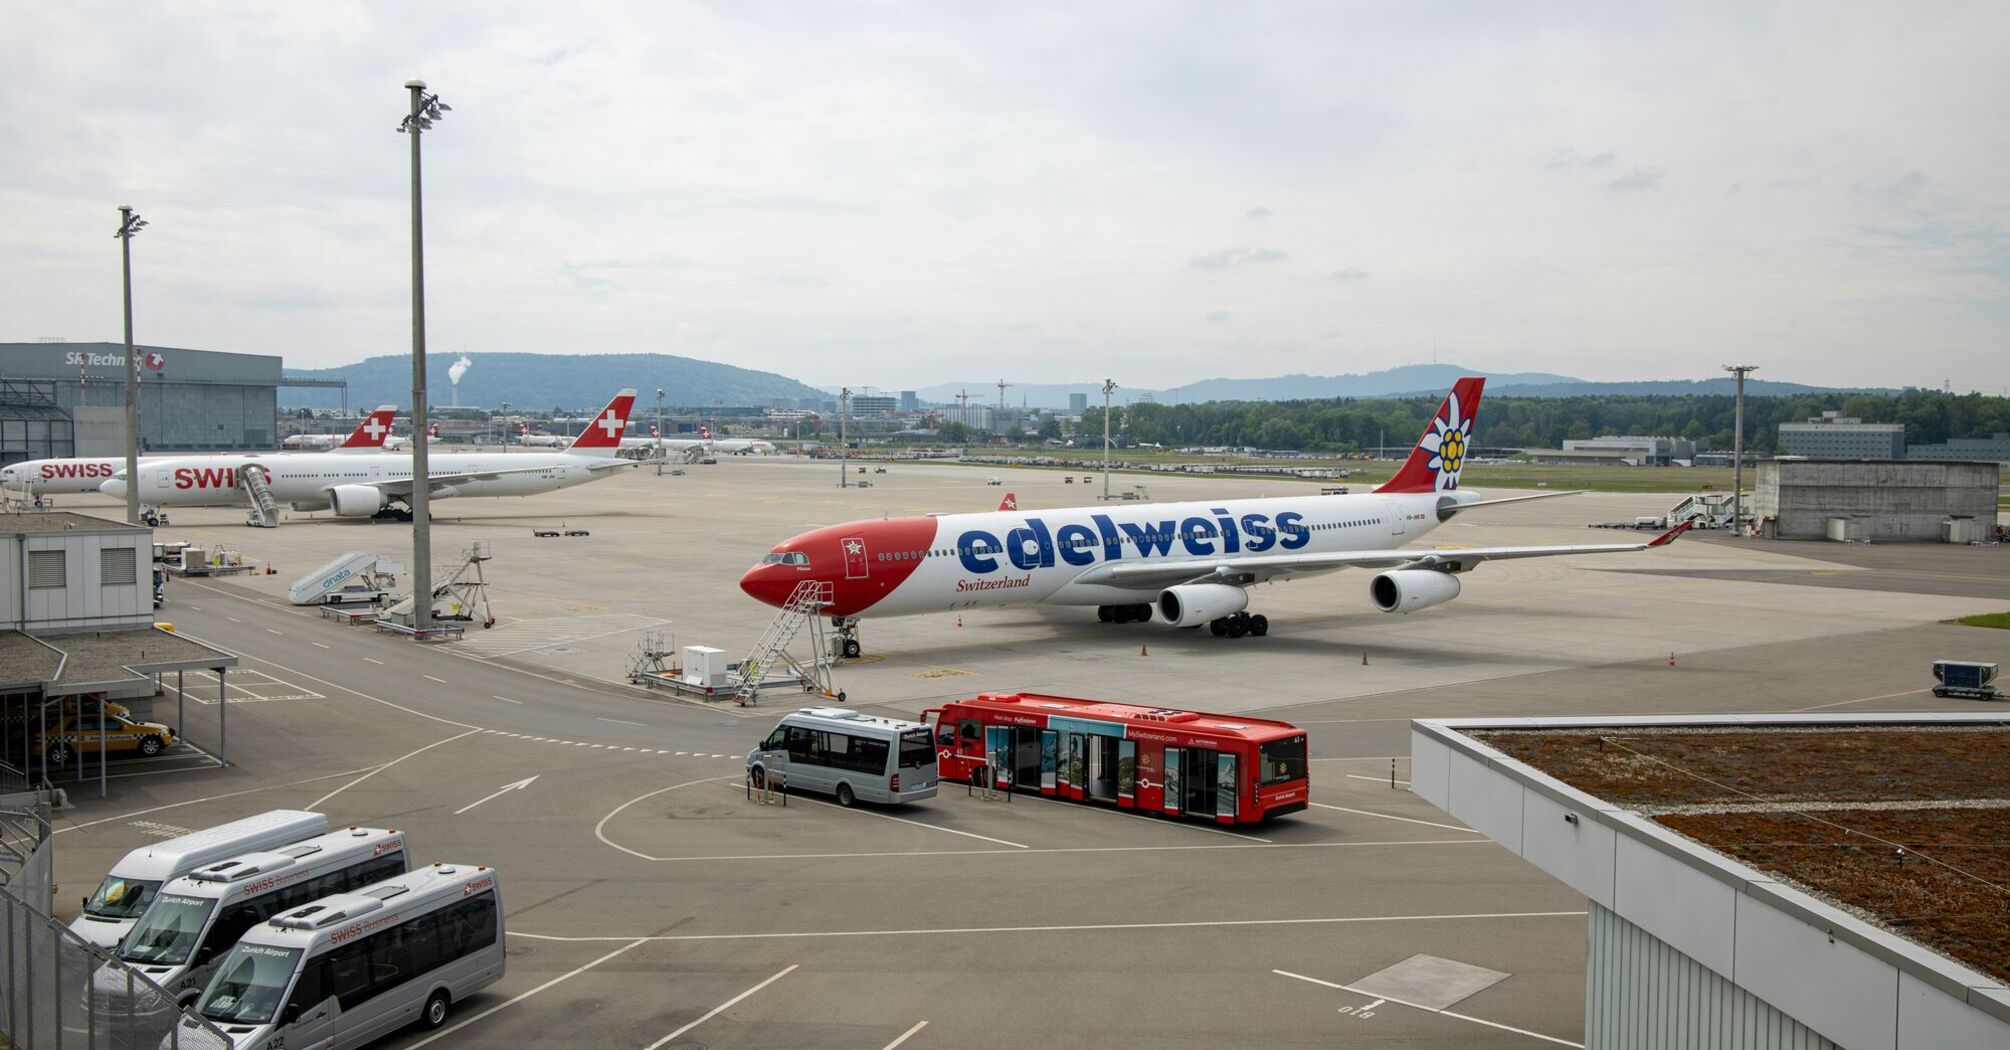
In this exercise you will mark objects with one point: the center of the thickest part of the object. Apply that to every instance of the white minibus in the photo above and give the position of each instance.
(851, 755)
(351, 968)
(126, 892)
(196, 918)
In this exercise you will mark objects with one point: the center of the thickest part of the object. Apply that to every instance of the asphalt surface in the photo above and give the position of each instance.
(645, 892)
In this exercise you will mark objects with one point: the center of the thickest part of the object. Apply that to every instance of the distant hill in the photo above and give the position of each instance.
(545, 381)
(1669, 388)
(1390, 382)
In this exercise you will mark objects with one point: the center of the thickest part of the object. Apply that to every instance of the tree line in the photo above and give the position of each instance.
(1354, 424)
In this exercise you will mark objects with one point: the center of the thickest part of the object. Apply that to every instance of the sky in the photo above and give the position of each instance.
(902, 194)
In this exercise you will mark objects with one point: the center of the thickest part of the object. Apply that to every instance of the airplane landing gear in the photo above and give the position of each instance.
(151, 516)
(1239, 625)
(1140, 613)
(847, 629)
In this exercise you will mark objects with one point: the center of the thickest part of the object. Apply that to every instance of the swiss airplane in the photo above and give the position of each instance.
(368, 486)
(1189, 563)
(49, 477)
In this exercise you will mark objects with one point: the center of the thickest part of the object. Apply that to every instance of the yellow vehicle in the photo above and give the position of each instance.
(81, 734)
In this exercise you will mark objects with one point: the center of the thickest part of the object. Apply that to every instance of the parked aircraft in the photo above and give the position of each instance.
(48, 477)
(1190, 564)
(366, 486)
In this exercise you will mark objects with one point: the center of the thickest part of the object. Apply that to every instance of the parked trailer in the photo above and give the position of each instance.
(1962, 678)
(1225, 768)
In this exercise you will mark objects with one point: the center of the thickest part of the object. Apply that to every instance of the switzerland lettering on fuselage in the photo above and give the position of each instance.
(1037, 545)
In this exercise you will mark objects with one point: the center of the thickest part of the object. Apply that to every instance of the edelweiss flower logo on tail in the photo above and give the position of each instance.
(1447, 441)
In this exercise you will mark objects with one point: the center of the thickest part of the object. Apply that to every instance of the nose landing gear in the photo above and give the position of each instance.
(848, 645)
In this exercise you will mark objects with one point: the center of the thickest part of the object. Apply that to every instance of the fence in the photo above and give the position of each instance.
(59, 992)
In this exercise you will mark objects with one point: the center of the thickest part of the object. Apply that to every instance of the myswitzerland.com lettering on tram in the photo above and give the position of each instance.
(354, 967)
(1224, 768)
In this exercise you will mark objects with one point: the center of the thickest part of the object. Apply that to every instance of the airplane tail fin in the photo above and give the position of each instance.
(1440, 455)
(602, 437)
(1010, 502)
(369, 435)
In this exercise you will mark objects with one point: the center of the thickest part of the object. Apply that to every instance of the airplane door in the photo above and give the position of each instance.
(855, 559)
(1225, 787)
(1394, 516)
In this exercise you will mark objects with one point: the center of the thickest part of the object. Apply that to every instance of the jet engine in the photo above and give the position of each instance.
(1196, 603)
(356, 501)
(1407, 590)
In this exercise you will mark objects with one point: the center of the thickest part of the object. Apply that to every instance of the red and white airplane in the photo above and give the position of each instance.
(367, 486)
(48, 477)
(1190, 563)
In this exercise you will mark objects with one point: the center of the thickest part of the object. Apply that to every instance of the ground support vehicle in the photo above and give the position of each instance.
(127, 891)
(1228, 769)
(853, 756)
(1961, 678)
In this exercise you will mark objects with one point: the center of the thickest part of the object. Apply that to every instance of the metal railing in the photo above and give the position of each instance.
(60, 992)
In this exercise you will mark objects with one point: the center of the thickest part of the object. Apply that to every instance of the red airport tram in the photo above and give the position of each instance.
(1227, 769)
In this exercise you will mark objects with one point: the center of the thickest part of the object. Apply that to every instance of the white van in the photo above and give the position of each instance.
(194, 919)
(351, 968)
(854, 756)
(126, 892)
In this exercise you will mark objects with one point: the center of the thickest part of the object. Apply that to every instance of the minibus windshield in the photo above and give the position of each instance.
(250, 984)
(168, 932)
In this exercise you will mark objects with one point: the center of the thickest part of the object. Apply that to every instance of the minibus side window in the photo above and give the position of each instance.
(308, 991)
(775, 739)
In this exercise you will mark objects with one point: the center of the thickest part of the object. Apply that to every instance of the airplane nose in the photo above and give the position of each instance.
(764, 584)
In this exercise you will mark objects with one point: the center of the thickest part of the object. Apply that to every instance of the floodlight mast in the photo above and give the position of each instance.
(1738, 448)
(129, 225)
(425, 109)
(1109, 387)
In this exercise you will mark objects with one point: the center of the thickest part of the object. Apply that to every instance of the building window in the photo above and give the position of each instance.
(117, 565)
(45, 569)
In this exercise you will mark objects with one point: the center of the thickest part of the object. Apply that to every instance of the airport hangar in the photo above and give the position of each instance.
(62, 399)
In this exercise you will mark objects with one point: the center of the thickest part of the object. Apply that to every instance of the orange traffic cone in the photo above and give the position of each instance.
(1364, 659)
(1671, 657)
(269, 570)
(1142, 650)
(959, 621)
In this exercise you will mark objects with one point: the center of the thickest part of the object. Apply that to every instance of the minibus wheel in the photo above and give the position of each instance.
(435, 1013)
(845, 796)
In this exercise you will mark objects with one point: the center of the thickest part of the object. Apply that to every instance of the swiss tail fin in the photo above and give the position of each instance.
(1010, 502)
(369, 435)
(1440, 455)
(602, 437)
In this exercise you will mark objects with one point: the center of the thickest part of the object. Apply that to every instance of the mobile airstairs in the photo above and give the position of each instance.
(264, 509)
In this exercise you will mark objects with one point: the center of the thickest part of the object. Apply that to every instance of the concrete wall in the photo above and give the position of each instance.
(1900, 500)
(1810, 967)
(1640, 993)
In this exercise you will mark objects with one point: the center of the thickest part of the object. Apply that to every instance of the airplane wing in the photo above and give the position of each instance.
(1261, 568)
(403, 486)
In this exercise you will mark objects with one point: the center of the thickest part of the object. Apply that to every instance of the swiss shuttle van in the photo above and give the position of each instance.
(196, 918)
(352, 968)
(841, 752)
(130, 887)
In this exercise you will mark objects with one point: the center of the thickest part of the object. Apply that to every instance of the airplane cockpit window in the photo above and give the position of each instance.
(795, 558)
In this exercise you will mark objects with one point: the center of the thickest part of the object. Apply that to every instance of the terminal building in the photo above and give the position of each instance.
(1995, 449)
(1638, 451)
(1741, 890)
(1833, 435)
(68, 399)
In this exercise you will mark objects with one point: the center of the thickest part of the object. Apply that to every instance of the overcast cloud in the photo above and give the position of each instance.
(903, 194)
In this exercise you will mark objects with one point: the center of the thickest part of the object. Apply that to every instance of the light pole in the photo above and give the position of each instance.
(130, 224)
(659, 427)
(844, 450)
(1738, 447)
(425, 109)
(504, 435)
(1109, 387)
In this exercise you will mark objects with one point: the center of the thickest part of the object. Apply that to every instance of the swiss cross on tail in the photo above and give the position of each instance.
(370, 433)
(602, 437)
(1010, 502)
(1440, 455)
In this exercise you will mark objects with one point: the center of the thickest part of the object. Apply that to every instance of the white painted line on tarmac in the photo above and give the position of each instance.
(316, 804)
(622, 722)
(905, 1036)
(598, 829)
(1378, 780)
(430, 678)
(318, 645)
(1141, 815)
(208, 798)
(269, 630)
(379, 663)
(721, 1008)
(904, 820)
(233, 619)
(1419, 1006)
(521, 996)
(1392, 816)
(965, 931)
(333, 685)
(1862, 700)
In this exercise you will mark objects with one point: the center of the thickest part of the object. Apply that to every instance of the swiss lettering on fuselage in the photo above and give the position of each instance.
(211, 477)
(51, 471)
(1036, 544)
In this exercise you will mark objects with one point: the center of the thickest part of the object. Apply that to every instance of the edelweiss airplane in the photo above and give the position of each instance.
(48, 477)
(1191, 563)
(366, 486)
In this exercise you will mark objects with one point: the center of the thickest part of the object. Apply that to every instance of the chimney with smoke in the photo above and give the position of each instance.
(454, 373)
